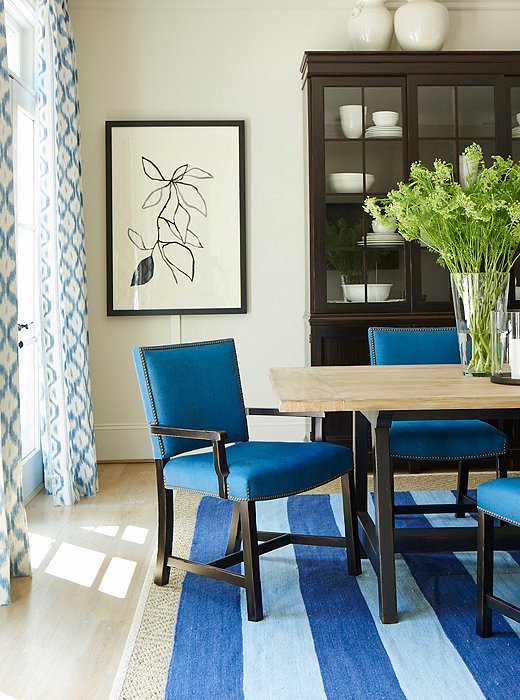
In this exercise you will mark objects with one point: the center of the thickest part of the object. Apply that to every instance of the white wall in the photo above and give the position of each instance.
(153, 59)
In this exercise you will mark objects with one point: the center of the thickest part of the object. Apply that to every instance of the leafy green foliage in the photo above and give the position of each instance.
(341, 239)
(472, 229)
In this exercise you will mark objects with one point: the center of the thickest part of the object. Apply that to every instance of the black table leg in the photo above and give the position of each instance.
(384, 521)
(359, 429)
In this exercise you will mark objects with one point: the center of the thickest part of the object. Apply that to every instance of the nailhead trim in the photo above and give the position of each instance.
(260, 498)
(447, 459)
(499, 517)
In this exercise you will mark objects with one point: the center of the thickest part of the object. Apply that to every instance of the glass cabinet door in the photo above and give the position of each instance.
(364, 154)
(514, 125)
(452, 113)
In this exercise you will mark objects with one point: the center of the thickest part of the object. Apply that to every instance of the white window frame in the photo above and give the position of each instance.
(20, 17)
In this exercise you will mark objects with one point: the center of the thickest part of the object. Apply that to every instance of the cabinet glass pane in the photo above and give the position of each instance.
(384, 160)
(435, 280)
(436, 111)
(343, 157)
(476, 111)
(383, 99)
(429, 151)
(335, 98)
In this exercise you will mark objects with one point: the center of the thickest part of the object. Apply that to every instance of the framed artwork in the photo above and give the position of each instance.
(175, 217)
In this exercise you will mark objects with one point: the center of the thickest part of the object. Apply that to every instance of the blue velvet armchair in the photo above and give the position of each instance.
(192, 398)
(462, 441)
(498, 499)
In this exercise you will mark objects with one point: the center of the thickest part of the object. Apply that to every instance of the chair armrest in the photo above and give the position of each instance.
(212, 435)
(276, 412)
(216, 437)
(317, 417)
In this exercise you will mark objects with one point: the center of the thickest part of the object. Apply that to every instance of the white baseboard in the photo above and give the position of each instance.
(124, 442)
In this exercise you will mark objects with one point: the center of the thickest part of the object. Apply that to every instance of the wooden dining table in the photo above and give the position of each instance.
(377, 395)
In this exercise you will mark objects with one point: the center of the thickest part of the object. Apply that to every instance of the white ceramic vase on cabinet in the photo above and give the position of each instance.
(421, 25)
(370, 26)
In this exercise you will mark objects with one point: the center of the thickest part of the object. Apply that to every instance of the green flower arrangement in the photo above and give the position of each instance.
(472, 228)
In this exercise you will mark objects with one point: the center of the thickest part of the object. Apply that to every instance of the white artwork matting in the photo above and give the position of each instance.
(175, 217)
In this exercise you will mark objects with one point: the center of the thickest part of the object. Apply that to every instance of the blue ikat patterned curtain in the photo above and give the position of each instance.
(14, 544)
(68, 432)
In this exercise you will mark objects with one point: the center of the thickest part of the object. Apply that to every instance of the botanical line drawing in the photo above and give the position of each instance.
(177, 198)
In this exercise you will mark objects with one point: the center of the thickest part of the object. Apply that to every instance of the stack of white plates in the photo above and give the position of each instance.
(384, 132)
(382, 239)
(516, 132)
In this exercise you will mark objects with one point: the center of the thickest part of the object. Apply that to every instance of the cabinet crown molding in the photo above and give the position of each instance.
(109, 5)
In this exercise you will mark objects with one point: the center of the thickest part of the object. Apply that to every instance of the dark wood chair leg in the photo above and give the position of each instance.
(392, 491)
(484, 573)
(462, 485)
(164, 527)
(251, 561)
(351, 524)
(235, 534)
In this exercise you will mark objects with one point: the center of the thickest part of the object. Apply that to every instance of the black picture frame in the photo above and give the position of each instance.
(175, 202)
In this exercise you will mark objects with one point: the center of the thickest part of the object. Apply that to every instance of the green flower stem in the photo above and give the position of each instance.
(479, 296)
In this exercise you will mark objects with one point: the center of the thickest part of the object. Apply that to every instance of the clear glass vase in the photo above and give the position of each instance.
(475, 297)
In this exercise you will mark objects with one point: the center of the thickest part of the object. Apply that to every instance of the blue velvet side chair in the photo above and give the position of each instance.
(498, 499)
(193, 399)
(462, 441)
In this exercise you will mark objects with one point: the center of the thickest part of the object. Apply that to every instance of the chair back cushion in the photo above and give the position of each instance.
(195, 386)
(413, 346)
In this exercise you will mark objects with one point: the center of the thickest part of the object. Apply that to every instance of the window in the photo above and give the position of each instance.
(20, 21)
(20, 35)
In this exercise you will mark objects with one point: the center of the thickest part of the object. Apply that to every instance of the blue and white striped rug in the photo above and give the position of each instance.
(321, 636)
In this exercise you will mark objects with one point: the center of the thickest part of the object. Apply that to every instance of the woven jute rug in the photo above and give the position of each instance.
(144, 664)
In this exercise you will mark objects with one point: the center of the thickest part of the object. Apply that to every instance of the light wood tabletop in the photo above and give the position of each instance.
(387, 388)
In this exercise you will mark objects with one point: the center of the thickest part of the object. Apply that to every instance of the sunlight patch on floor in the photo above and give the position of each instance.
(110, 530)
(40, 547)
(135, 534)
(118, 577)
(76, 564)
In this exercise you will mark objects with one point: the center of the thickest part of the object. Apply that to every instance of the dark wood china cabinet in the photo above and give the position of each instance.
(359, 277)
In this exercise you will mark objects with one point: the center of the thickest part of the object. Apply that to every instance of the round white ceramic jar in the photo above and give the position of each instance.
(370, 26)
(421, 25)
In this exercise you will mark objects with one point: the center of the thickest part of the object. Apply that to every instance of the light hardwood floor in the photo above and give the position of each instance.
(61, 639)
